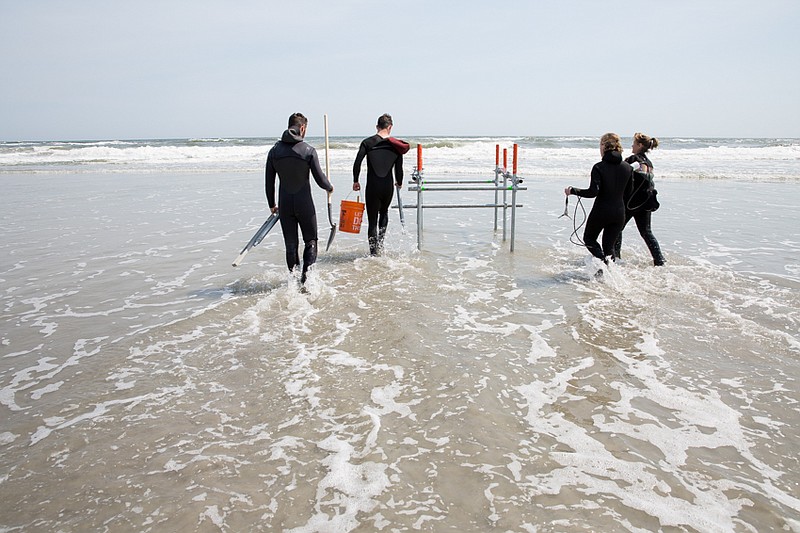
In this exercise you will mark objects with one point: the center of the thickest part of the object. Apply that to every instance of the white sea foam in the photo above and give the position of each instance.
(347, 487)
(456, 387)
(770, 159)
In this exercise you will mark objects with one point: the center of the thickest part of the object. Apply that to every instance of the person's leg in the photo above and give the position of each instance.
(643, 225)
(383, 214)
(593, 228)
(618, 245)
(289, 221)
(309, 258)
(307, 217)
(373, 205)
(611, 234)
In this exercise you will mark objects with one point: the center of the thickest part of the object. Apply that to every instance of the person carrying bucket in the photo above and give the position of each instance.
(384, 154)
(291, 159)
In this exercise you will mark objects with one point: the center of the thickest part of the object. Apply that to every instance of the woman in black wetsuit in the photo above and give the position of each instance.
(611, 177)
(643, 200)
(383, 154)
(292, 159)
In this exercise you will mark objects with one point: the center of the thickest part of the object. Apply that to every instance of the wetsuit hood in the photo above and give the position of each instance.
(292, 136)
(613, 157)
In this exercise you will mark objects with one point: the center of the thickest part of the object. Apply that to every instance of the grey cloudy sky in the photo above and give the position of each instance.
(92, 69)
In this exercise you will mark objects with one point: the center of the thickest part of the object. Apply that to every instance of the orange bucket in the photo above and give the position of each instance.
(350, 216)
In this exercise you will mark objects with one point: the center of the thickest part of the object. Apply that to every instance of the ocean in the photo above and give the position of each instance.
(448, 385)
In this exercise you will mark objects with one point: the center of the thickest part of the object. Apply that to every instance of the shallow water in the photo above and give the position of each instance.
(147, 385)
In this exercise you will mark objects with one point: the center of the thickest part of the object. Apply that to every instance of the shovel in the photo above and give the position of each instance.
(328, 173)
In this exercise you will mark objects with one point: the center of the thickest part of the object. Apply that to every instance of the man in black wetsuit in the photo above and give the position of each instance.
(383, 154)
(291, 159)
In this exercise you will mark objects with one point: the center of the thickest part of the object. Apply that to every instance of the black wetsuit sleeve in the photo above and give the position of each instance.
(362, 153)
(398, 170)
(594, 185)
(641, 159)
(316, 171)
(269, 181)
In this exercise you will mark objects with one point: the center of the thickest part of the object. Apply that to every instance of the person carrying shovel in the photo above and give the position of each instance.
(292, 159)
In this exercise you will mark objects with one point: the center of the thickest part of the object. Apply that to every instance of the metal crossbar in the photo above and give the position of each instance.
(419, 185)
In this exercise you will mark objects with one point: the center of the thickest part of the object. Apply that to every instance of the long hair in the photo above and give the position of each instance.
(648, 142)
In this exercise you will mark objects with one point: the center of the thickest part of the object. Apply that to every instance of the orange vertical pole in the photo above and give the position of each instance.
(419, 158)
(505, 158)
(496, 155)
(515, 160)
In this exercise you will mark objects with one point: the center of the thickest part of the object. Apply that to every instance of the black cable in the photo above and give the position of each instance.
(574, 238)
(633, 194)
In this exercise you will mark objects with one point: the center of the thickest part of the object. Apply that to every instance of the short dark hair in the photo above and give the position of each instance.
(384, 121)
(297, 119)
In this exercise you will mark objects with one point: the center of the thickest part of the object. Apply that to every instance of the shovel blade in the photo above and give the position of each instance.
(330, 238)
(333, 226)
(400, 208)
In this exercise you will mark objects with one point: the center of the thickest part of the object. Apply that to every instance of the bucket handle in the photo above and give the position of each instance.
(358, 197)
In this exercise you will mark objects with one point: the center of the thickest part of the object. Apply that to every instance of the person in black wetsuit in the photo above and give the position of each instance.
(642, 201)
(291, 159)
(384, 153)
(611, 178)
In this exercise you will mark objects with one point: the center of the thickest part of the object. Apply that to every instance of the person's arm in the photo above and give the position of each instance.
(643, 163)
(594, 186)
(362, 153)
(269, 183)
(398, 171)
(319, 175)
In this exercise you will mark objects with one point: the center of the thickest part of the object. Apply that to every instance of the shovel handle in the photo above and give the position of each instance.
(327, 149)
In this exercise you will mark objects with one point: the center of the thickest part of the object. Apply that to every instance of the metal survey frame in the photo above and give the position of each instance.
(420, 185)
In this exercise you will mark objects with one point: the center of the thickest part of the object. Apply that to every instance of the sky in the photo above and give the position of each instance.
(146, 69)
